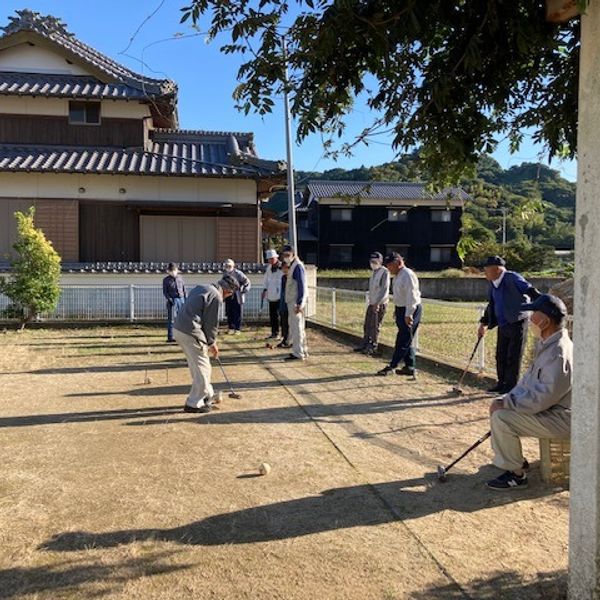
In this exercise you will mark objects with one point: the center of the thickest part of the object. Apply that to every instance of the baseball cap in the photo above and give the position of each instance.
(172, 266)
(271, 253)
(551, 306)
(494, 261)
(391, 257)
(375, 256)
(288, 248)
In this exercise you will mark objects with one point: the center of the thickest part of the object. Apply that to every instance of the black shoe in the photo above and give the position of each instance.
(525, 466)
(359, 349)
(405, 371)
(171, 342)
(292, 357)
(385, 371)
(205, 408)
(508, 481)
(497, 389)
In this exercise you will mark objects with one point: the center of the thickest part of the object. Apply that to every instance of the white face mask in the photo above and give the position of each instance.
(229, 268)
(537, 330)
(374, 265)
(287, 260)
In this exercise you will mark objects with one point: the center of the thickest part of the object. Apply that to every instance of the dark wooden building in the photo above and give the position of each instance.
(342, 222)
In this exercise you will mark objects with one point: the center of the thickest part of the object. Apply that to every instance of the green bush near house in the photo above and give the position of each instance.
(33, 284)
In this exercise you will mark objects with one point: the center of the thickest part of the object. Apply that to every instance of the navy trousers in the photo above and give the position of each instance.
(404, 350)
(173, 309)
(233, 310)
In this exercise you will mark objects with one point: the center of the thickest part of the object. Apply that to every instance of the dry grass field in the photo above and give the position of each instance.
(108, 490)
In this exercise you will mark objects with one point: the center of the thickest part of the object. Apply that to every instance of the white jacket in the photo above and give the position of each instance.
(272, 283)
(406, 291)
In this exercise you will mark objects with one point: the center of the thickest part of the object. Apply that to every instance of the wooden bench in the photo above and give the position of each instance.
(555, 456)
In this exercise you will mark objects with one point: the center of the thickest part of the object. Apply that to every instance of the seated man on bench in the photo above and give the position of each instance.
(540, 404)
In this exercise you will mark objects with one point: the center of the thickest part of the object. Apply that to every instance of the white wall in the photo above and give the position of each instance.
(106, 187)
(59, 107)
(35, 59)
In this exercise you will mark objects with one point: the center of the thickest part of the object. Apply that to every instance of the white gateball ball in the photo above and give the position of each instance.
(264, 469)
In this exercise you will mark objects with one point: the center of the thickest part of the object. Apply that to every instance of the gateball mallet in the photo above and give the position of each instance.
(457, 389)
(441, 471)
(232, 393)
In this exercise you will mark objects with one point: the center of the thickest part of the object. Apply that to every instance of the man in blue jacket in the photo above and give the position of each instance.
(508, 292)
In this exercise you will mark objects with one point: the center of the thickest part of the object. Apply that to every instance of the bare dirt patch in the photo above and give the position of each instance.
(109, 489)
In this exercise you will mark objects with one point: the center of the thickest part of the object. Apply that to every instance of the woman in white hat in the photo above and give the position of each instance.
(272, 290)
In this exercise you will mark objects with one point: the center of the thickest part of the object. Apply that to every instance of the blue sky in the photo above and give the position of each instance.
(206, 78)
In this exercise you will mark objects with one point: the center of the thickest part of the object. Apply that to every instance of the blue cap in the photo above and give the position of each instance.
(494, 261)
(551, 306)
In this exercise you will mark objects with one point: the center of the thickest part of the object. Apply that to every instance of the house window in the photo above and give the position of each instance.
(441, 216)
(84, 113)
(401, 249)
(341, 214)
(441, 254)
(397, 215)
(340, 254)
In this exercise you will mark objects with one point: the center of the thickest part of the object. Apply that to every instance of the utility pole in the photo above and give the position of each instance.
(504, 210)
(292, 230)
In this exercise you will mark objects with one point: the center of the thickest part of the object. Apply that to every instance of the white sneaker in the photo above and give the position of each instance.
(237, 332)
(230, 332)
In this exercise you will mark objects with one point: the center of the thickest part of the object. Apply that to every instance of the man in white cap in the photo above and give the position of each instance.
(234, 305)
(379, 291)
(196, 330)
(272, 290)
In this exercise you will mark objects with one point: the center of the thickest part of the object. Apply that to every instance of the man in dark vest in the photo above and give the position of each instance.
(508, 292)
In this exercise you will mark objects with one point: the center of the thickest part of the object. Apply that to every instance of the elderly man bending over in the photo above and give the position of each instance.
(196, 330)
(540, 404)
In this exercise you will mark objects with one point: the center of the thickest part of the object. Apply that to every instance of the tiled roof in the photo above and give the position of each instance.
(163, 159)
(189, 153)
(65, 86)
(52, 29)
(381, 191)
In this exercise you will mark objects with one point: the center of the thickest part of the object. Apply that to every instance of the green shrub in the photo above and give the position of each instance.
(33, 284)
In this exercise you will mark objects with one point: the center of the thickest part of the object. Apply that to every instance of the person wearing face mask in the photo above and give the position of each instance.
(234, 304)
(295, 298)
(174, 293)
(196, 331)
(272, 290)
(507, 292)
(540, 404)
(379, 287)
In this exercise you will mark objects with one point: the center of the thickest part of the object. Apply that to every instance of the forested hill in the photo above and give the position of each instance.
(539, 202)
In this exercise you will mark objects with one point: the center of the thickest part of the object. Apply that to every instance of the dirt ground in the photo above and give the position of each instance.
(107, 489)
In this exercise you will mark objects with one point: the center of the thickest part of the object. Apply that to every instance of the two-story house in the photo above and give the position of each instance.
(344, 221)
(96, 148)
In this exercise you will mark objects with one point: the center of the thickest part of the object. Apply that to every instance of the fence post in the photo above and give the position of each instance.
(333, 308)
(131, 304)
(481, 353)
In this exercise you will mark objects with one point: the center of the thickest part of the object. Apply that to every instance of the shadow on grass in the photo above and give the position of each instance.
(72, 578)
(508, 585)
(86, 417)
(331, 510)
(294, 414)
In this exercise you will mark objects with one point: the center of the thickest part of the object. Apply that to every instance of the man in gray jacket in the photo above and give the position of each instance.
(540, 404)
(196, 330)
(379, 291)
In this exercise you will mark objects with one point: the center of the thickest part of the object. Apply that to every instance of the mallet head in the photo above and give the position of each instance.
(457, 391)
(441, 473)
(234, 395)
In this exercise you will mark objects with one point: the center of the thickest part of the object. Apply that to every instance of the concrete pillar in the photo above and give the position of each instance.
(584, 547)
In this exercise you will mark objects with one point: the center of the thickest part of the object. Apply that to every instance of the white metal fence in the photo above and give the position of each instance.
(122, 303)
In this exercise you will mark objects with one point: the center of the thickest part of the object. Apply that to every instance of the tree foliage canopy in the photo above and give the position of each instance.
(453, 77)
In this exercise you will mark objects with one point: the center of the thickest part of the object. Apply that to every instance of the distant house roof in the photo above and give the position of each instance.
(378, 190)
(170, 153)
(50, 31)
